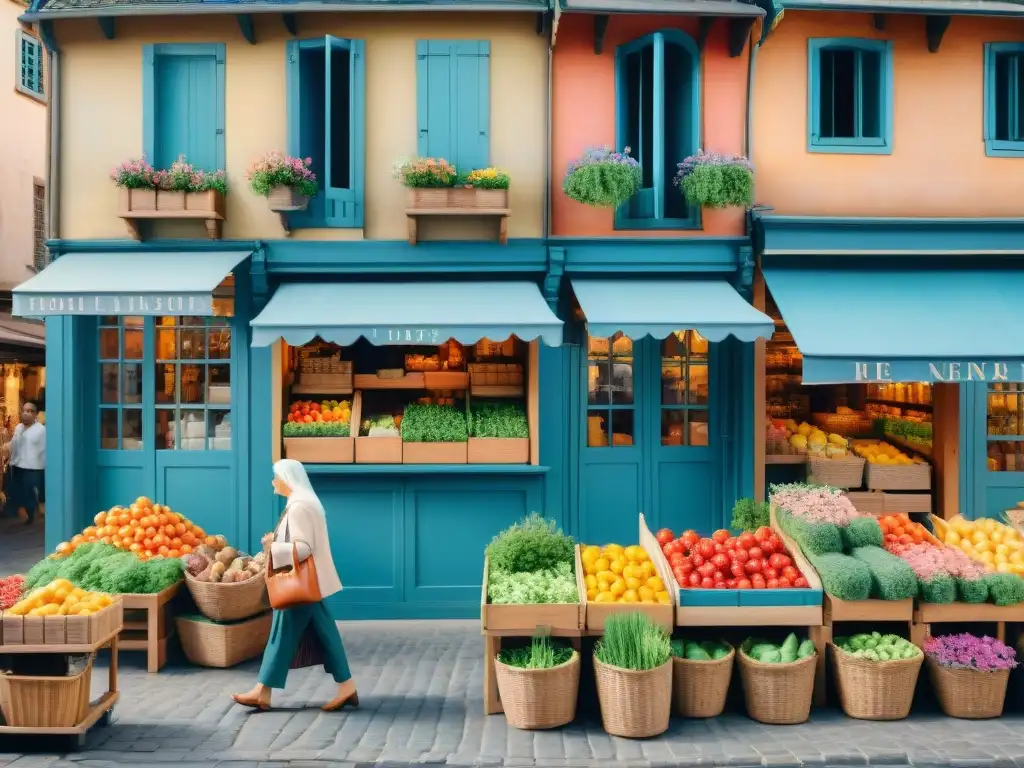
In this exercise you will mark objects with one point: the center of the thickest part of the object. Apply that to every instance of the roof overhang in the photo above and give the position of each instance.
(717, 8)
(925, 7)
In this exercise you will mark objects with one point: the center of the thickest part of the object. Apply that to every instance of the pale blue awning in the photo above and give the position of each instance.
(127, 283)
(713, 308)
(406, 313)
(930, 324)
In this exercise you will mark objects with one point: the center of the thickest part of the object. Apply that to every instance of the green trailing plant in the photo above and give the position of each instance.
(315, 429)
(749, 515)
(842, 576)
(633, 641)
(503, 420)
(532, 544)
(713, 180)
(603, 178)
(891, 577)
(434, 424)
(541, 653)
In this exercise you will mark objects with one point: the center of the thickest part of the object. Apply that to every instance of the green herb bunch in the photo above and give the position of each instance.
(749, 515)
(505, 420)
(315, 429)
(103, 568)
(633, 641)
(545, 586)
(540, 654)
(532, 544)
(434, 424)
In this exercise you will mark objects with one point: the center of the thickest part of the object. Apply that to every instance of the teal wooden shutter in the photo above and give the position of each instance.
(183, 97)
(453, 101)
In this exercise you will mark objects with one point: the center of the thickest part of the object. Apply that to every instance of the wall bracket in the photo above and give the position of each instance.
(107, 26)
(600, 29)
(245, 24)
(291, 23)
(704, 25)
(553, 277)
(934, 29)
(739, 34)
(878, 21)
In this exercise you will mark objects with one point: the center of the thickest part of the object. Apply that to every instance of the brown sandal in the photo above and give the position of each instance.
(338, 703)
(254, 702)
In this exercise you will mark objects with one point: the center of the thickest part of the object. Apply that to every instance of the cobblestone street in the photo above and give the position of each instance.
(420, 689)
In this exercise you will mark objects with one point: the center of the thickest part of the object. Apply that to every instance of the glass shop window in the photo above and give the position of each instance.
(1006, 427)
(684, 389)
(120, 374)
(611, 411)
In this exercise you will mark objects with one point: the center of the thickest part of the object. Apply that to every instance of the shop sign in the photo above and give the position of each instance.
(938, 371)
(397, 335)
(112, 304)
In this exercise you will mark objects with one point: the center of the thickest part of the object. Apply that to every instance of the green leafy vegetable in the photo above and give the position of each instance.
(940, 588)
(633, 641)
(875, 646)
(547, 585)
(1004, 588)
(504, 420)
(540, 654)
(791, 650)
(102, 568)
(434, 424)
(749, 515)
(842, 576)
(861, 532)
(892, 578)
(532, 544)
(315, 429)
(972, 590)
(379, 426)
(814, 538)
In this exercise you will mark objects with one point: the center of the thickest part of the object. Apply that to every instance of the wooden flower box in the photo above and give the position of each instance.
(457, 201)
(498, 450)
(136, 205)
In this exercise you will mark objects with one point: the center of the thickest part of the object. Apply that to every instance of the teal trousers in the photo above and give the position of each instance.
(286, 632)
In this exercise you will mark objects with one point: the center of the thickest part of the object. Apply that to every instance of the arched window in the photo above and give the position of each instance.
(657, 97)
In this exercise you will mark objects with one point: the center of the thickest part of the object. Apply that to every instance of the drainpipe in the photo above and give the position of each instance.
(53, 126)
(547, 151)
(748, 141)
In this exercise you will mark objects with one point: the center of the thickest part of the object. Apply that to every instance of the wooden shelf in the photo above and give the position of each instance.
(320, 389)
(61, 649)
(922, 450)
(496, 390)
(373, 381)
(898, 404)
(413, 215)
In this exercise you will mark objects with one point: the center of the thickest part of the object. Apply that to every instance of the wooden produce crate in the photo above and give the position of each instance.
(375, 381)
(497, 450)
(908, 502)
(327, 450)
(597, 614)
(62, 630)
(906, 477)
(442, 380)
(433, 453)
(149, 625)
(378, 450)
(839, 473)
(867, 502)
(525, 620)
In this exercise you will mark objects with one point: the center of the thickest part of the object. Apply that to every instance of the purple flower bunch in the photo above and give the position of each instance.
(691, 163)
(600, 156)
(275, 169)
(967, 651)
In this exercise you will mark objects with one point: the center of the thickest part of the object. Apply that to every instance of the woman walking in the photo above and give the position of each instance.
(302, 534)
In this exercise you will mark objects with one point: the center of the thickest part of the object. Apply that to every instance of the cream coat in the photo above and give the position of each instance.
(307, 528)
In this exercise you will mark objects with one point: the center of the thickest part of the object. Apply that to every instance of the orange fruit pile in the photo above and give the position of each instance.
(147, 529)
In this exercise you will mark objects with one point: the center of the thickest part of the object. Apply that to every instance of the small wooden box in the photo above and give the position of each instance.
(435, 453)
(320, 450)
(453, 380)
(496, 450)
(529, 618)
(378, 450)
(13, 630)
(35, 633)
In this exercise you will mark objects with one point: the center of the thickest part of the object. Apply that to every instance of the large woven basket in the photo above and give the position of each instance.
(46, 702)
(970, 694)
(875, 690)
(839, 473)
(899, 477)
(634, 704)
(209, 644)
(229, 602)
(699, 688)
(536, 699)
(778, 694)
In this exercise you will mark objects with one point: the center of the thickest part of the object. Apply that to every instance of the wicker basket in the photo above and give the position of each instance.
(901, 477)
(778, 694)
(209, 644)
(634, 704)
(847, 425)
(875, 690)
(229, 602)
(839, 473)
(46, 702)
(970, 694)
(699, 688)
(536, 699)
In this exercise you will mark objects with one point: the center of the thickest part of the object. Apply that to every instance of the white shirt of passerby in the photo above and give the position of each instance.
(28, 447)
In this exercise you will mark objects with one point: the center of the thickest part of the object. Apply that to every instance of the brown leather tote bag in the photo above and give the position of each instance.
(298, 586)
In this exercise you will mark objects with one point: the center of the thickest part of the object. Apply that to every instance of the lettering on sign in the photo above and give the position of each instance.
(431, 336)
(122, 304)
(949, 371)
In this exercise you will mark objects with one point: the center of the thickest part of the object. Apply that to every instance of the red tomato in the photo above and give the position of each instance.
(753, 565)
(697, 560)
(778, 561)
(719, 548)
(676, 558)
(720, 536)
(756, 553)
(747, 540)
(706, 548)
(740, 556)
(689, 539)
(744, 584)
(707, 583)
(708, 569)
(772, 583)
(694, 579)
(759, 584)
(686, 567)
(762, 533)
(769, 573)
(731, 543)
(737, 570)
(800, 581)
(721, 561)
(784, 583)
(681, 578)
(768, 546)
(757, 578)
(789, 572)
(721, 584)
(718, 575)
(730, 583)
(664, 536)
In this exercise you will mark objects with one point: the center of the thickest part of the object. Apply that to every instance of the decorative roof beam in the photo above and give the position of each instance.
(107, 27)
(704, 25)
(879, 21)
(739, 33)
(600, 29)
(245, 24)
(934, 28)
(291, 23)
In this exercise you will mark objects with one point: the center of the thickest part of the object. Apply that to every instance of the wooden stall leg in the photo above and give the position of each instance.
(112, 674)
(492, 702)
(153, 639)
(1001, 631)
(918, 633)
(821, 637)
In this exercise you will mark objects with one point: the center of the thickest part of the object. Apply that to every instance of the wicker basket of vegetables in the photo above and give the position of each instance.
(538, 684)
(227, 585)
(876, 675)
(701, 673)
(778, 680)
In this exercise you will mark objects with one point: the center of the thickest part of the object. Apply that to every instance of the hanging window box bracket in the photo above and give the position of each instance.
(138, 205)
(457, 201)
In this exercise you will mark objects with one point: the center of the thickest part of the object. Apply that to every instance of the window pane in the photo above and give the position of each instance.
(1018, 124)
(166, 344)
(871, 95)
(133, 344)
(838, 93)
(131, 429)
(597, 429)
(108, 429)
(598, 383)
(193, 344)
(219, 430)
(673, 383)
(698, 427)
(218, 379)
(1006, 409)
(193, 384)
(164, 382)
(133, 321)
(109, 384)
(673, 427)
(341, 171)
(697, 385)
(131, 382)
(679, 137)
(108, 344)
(621, 385)
(165, 436)
(220, 343)
(622, 428)
(826, 94)
(1004, 89)
(192, 431)
(1006, 457)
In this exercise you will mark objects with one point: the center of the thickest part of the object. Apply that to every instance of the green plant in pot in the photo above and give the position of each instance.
(633, 669)
(714, 181)
(603, 178)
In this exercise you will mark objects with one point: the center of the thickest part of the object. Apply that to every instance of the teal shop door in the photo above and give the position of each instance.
(648, 439)
(994, 457)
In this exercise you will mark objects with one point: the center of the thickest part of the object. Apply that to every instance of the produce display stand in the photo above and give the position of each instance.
(149, 625)
(927, 614)
(524, 621)
(98, 711)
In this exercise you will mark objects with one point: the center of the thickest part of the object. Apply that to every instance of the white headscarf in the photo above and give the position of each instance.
(293, 474)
